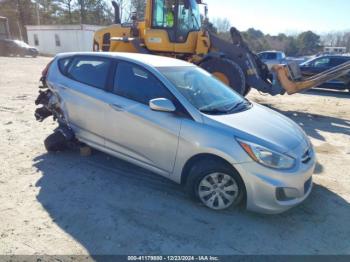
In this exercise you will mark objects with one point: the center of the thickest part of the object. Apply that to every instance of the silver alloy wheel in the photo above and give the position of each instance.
(218, 190)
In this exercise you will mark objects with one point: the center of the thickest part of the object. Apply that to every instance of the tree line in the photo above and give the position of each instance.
(101, 12)
(302, 44)
(49, 12)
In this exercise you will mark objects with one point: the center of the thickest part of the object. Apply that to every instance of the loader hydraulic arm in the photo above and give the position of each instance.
(289, 77)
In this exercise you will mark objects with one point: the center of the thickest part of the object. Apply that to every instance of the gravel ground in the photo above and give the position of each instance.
(67, 204)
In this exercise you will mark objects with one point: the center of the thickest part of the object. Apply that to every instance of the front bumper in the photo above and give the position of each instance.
(32, 52)
(263, 183)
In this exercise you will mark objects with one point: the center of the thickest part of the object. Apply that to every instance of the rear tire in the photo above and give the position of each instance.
(55, 142)
(228, 72)
(204, 185)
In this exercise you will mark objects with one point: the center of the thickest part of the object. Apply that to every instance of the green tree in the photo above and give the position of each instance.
(138, 7)
(67, 9)
(291, 47)
(254, 34)
(48, 11)
(256, 40)
(308, 43)
(19, 13)
(94, 12)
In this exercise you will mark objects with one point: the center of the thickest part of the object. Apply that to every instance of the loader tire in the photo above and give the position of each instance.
(228, 72)
(55, 142)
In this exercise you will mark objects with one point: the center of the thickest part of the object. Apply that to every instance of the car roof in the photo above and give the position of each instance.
(345, 57)
(151, 60)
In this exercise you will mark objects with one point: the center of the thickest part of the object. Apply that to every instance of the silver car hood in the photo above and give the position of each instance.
(265, 127)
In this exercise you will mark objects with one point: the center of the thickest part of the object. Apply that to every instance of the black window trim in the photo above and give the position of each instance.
(180, 109)
(71, 62)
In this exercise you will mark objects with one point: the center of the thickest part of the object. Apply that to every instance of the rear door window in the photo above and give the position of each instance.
(335, 61)
(135, 83)
(92, 71)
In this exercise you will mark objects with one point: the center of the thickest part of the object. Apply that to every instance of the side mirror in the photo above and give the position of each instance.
(162, 105)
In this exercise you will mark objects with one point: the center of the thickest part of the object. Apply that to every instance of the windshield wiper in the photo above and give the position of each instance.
(225, 110)
(213, 111)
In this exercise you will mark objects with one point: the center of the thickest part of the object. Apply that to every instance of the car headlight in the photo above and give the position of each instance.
(266, 156)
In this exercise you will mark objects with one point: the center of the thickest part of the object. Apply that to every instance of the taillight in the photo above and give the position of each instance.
(46, 69)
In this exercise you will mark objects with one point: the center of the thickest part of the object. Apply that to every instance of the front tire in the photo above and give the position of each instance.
(228, 72)
(215, 184)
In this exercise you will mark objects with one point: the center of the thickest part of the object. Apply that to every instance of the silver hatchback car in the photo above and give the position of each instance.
(175, 119)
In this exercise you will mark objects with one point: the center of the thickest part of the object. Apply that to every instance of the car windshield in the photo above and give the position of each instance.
(204, 91)
(21, 43)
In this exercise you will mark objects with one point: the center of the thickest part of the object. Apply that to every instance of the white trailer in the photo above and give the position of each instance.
(54, 39)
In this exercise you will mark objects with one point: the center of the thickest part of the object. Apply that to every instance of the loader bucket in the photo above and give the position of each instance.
(290, 78)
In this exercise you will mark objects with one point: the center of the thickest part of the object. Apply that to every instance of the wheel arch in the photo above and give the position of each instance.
(207, 157)
(201, 157)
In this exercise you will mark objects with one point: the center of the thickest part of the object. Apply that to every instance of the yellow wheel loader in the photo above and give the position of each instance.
(173, 28)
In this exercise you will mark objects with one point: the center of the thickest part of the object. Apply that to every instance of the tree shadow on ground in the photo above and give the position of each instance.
(312, 124)
(112, 207)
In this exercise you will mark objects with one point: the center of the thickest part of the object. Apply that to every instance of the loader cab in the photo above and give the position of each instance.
(177, 17)
(174, 25)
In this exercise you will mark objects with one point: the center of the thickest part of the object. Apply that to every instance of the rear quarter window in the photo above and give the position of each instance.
(63, 64)
(92, 71)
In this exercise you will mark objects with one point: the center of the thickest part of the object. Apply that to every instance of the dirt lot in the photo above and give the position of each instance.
(67, 204)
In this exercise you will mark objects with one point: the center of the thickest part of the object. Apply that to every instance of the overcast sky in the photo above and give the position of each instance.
(286, 16)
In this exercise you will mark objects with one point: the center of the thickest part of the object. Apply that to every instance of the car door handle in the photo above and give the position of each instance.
(116, 107)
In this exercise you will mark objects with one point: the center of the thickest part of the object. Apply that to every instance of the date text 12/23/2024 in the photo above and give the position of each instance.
(173, 258)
